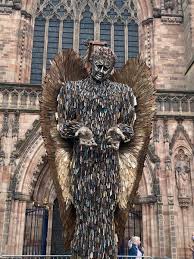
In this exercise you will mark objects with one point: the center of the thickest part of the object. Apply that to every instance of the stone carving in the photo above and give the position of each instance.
(93, 146)
(24, 97)
(5, 127)
(109, 10)
(30, 185)
(20, 98)
(7, 6)
(171, 11)
(17, 4)
(21, 158)
(168, 166)
(169, 4)
(150, 199)
(182, 173)
(148, 31)
(21, 144)
(156, 131)
(184, 202)
(15, 124)
(170, 200)
(152, 154)
(14, 98)
(172, 20)
(180, 134)
(2, 157)
(165, 131)
(175, 103)
(12, 160)
(156, 12)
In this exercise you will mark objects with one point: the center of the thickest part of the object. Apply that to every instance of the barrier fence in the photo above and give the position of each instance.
(69, 256)
(62, 257)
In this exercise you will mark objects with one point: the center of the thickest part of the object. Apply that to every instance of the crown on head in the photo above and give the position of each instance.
(104, 53)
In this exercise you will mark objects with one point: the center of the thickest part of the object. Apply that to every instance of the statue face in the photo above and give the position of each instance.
(101, 69)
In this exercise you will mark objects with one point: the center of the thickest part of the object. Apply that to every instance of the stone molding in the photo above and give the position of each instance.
(7, 7)
(182, 168)
(180, 130)
(15, 124)
(171, 11)
(171, 103)
(25, 98)
(22, 147)
(184, 202)
(172, 19)
(156, 12)
(148, 45)
(22, 144)
(150, 199)
(2, 157)
(165, 130)
(21, 196)
(19, 97)
(5, 125)
(170, 200)
(152, 155)
(100, 9)
(26, 14)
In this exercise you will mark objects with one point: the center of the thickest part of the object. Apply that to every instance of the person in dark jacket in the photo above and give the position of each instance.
(191, 245)
(134, 248)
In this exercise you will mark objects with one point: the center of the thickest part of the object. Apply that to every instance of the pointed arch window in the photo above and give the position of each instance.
(53, 39)
(119, 27)
(62, 24)
(86, 29)
(53, 31)
(38, 50)
(119, 42)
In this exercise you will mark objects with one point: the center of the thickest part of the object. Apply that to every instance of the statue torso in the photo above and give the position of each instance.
(98, 106)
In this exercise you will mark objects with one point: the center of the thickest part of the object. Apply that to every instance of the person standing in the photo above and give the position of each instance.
(135, 248)
(191, 245)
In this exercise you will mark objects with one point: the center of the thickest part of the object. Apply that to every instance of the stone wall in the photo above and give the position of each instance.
(166, 42)
(15, 41)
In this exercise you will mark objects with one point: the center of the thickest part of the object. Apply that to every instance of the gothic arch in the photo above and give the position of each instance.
(31, 168)
(181, 149)
(180, 138)
(31, 156)
(146, 183)
(120, 17)
(145, 9)
(36, 179)
(40, 183)
(44, 190)
(144, 6)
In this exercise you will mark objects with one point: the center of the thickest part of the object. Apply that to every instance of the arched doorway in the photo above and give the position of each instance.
(133, 228)
(43, 193)
(36, 228)
(57, 239)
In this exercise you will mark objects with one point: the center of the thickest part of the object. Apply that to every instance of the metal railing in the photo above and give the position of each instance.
(62, 257)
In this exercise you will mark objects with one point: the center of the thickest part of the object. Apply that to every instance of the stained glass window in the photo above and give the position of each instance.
(62, 24)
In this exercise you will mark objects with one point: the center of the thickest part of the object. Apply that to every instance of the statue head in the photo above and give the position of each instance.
(102, 61)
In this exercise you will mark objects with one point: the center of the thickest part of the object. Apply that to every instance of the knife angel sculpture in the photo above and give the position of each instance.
(96, 127)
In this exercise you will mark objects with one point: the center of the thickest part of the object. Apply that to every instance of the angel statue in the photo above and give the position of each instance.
(96, 125)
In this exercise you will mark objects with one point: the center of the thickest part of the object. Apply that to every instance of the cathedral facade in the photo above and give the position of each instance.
(32, 32)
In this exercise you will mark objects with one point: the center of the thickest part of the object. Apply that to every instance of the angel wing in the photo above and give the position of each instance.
(137, 75)
(67, 66)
